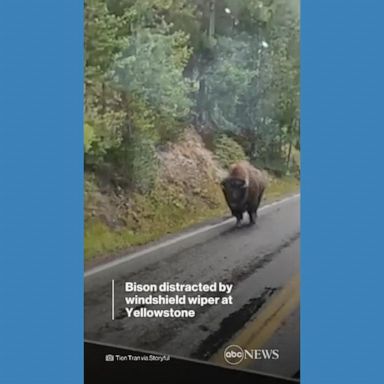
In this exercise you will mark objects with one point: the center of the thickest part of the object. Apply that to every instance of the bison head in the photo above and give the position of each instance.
(235, 192)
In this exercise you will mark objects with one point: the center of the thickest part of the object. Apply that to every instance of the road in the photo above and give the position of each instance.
(262, 262)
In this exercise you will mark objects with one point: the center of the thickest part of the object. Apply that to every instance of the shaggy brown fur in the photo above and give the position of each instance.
(243, 190)
(240, 170)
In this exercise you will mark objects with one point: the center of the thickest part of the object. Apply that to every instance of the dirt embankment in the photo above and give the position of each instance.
(186, 191)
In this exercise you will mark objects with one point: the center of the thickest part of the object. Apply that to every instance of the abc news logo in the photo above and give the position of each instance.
(234, 354)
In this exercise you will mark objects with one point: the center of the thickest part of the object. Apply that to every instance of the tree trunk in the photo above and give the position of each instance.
(127, 133)
(103, 99)
(290, 144)
(289, 154)
(211, 29)
(202, 94)
(201, 102)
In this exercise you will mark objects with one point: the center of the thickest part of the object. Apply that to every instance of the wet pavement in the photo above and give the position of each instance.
(262, 262)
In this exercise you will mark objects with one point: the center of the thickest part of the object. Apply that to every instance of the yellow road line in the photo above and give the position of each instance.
(260, 330)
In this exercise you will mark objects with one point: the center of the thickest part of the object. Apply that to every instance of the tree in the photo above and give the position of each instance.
(152, 66)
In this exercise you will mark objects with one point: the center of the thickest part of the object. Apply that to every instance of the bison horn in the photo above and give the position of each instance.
(246, 184)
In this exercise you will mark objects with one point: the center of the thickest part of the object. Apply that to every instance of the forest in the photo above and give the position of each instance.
(223, 75)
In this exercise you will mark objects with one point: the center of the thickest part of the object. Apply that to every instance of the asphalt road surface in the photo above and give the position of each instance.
(262, 262)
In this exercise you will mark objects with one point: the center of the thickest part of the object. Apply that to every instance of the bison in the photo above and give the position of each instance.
(243, 189)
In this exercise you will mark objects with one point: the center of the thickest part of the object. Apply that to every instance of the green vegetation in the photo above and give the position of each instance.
(228, 151)
(283, 186)
(166, 210)
(155, 69)
(100, 239)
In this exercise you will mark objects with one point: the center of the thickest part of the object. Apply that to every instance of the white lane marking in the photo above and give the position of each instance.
(175, 240)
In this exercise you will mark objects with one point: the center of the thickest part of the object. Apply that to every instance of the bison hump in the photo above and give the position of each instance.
(239, 171)
(243, 170)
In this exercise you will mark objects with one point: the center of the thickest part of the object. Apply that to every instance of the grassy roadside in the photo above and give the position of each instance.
(167, 210)
(279, 188)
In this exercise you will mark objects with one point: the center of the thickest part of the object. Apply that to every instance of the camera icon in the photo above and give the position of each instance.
(109, 358)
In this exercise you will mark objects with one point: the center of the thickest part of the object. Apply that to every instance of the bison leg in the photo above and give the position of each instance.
(239, 218)
(252, 216)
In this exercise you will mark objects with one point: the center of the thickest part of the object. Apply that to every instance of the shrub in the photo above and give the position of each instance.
(142, 163)
(228, 151)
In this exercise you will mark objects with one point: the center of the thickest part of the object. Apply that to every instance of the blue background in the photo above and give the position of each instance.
(41, 191)
(41, 207)
(342, 269)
